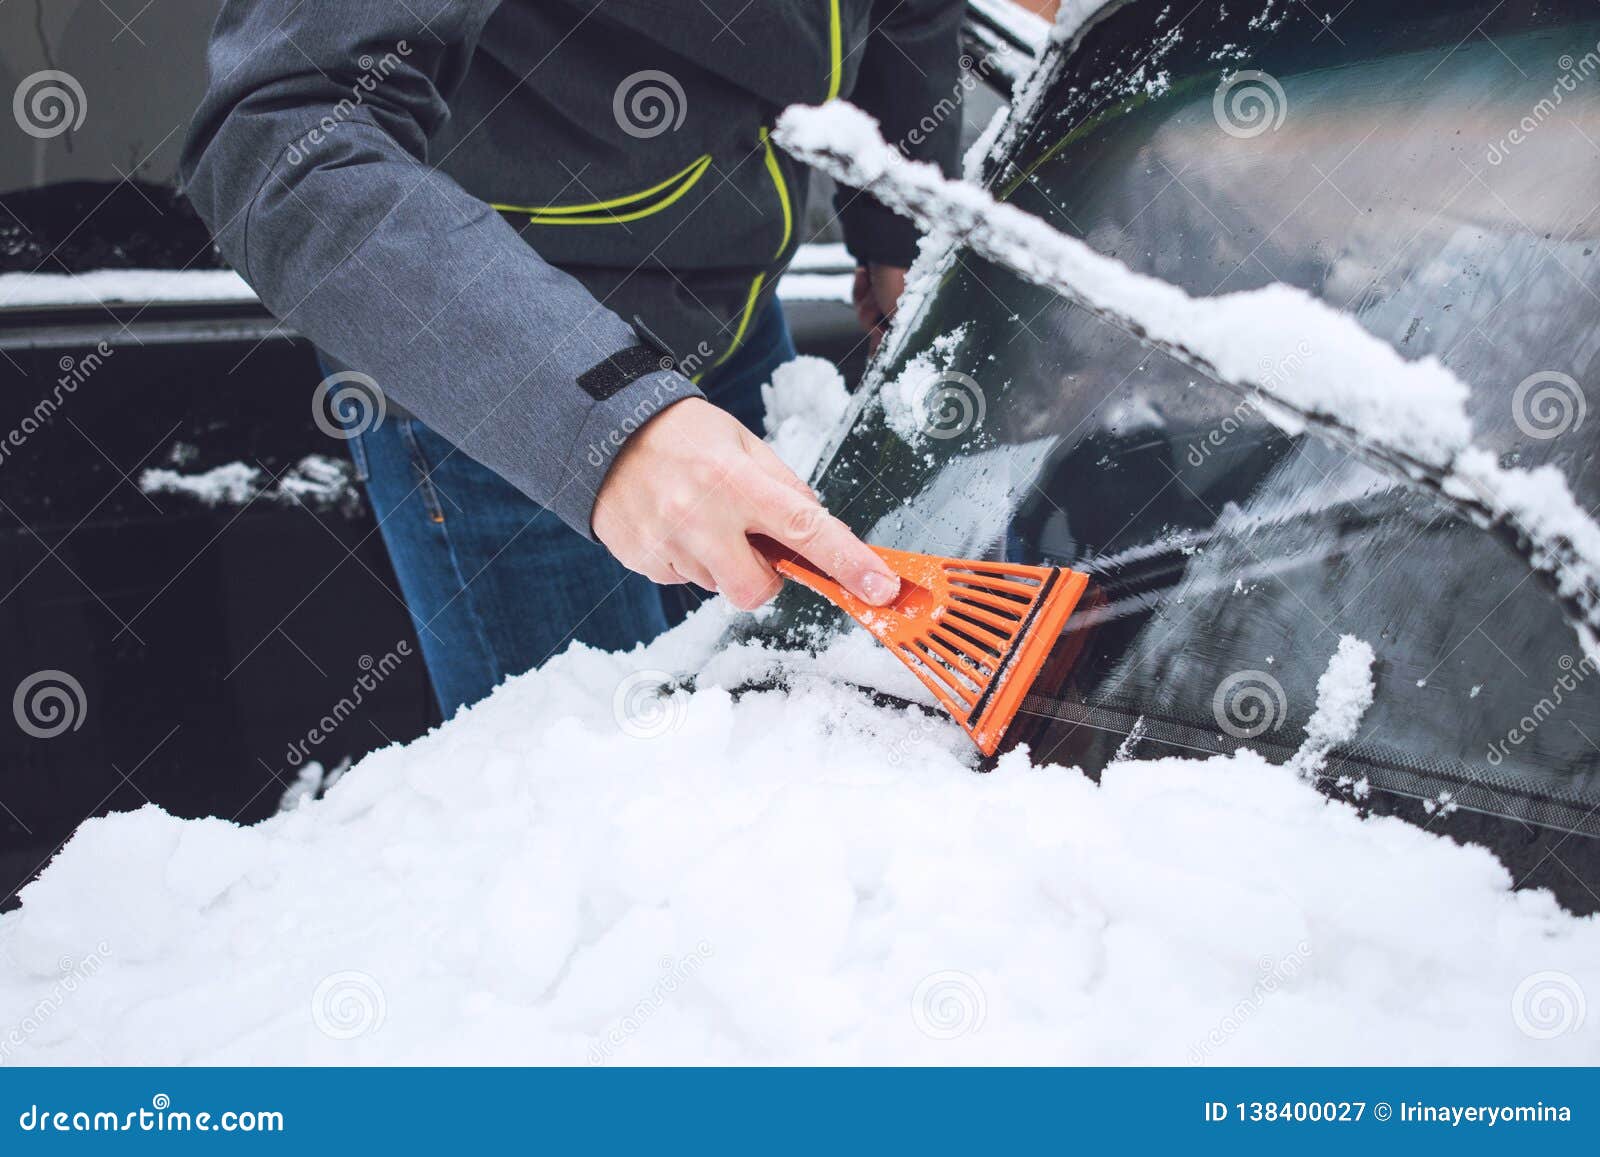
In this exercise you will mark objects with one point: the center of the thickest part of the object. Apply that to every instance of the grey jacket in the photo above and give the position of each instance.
(469, 201)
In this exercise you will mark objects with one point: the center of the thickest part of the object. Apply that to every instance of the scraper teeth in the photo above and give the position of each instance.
(974, 633)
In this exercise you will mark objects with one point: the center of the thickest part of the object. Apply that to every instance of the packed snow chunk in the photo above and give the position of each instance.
(804, 402)
(1344, 692)
(929, 399)
(316, 481)
(233, 484)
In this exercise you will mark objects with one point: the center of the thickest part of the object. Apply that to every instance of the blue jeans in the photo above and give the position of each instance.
(495, 583)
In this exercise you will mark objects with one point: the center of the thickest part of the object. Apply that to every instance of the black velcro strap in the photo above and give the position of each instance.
(622, 368)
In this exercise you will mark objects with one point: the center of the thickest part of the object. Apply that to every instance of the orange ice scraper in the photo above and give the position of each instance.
(975, 633)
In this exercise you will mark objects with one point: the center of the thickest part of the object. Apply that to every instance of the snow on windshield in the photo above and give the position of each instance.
(596, 866)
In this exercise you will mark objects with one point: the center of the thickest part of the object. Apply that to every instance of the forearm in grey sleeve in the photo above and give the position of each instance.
(317, 187)
(910, 80)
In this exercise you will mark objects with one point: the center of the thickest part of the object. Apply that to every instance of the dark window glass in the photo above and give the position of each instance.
(1387, 180)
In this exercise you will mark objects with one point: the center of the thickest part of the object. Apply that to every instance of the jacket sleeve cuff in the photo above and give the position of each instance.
(606, 428)
(875, 235)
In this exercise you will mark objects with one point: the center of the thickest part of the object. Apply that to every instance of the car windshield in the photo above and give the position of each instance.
(1425, 168)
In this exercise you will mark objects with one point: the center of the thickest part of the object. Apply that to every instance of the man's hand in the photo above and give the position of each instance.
(875, 294)
(686, 491)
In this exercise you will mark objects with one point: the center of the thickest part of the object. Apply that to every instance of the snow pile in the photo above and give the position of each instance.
(1332, 370)
(804, 402)
(589, 867)
(316, 481)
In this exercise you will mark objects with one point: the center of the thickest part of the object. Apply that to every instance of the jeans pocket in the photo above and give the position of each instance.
(424, 472)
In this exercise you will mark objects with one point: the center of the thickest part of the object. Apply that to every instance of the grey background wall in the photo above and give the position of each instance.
(142, 69)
